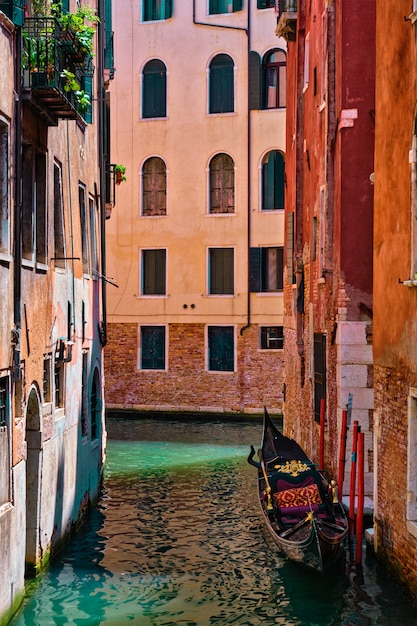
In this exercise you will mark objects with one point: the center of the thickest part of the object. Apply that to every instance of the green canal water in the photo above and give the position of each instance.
(176, 539)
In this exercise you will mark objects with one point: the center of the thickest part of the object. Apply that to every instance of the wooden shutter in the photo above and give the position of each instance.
(154, 89)
(254, 81)
(255, 270)
(222, 184)
(221, 91)
(154, 187)
(153, 347)
(221, 280)
(154, 272)
(221, 348)
(290, 248)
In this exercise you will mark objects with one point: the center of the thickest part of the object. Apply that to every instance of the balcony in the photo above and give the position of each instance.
(287, 19)
(56, 74)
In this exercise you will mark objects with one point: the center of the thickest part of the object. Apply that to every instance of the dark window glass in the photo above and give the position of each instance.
(272, 337)
(221, 271)
(224, 6)
(320, 373)
(154, 272)
(59, 239)
(154, 187)
(152, 347)
(273, 176)
(266, 4)
(154, 89)
(274, 77)
(222, 184)
(221, 90)
(221, 348)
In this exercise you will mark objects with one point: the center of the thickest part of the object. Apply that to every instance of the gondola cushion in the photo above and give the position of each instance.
(299, 497)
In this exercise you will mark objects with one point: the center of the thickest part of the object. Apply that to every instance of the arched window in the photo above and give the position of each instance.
(222, 184)
(273, 170)
(154, 89)
(221, 89)
(154, 187)
(274, 79)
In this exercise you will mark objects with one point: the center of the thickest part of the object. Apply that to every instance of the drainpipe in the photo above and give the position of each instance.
(17, 261)
(249, 152)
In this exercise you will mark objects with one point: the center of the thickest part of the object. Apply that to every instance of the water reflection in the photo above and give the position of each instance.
(177, 540)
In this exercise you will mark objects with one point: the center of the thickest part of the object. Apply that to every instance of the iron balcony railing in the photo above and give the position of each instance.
(55, 69)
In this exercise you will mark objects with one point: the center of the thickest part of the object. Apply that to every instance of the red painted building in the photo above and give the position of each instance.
(328, 270)
(395, 290)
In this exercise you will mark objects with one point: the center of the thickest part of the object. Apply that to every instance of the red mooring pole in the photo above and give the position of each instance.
(322, 420)
(361, 496)
(353, 478)
(342, 455)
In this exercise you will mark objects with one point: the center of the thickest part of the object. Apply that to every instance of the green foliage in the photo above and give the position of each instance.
(121, 169)
(82, 99)
(81, 24)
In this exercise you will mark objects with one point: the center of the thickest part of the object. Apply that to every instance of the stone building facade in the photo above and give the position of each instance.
(329, 222)
(196, 240)
(52, 304)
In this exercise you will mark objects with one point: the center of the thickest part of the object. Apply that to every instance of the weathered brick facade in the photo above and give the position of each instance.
(186, 385)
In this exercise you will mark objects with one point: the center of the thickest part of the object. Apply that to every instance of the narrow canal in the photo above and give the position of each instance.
(177, 539)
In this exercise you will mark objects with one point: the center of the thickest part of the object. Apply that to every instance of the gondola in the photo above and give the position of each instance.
(299, 506)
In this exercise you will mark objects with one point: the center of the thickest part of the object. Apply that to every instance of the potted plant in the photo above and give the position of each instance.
(119, 171)
(79, 25)
(82, 99)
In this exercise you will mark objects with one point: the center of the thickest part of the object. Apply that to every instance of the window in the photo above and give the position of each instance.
(274, 77)
(95, 406)
(59, 239)
(221, 271)
(320, 373)
(46, 381)
(154, 89)
(154, 187)
(254, 81)
(94, 235)
(153, 272)
(221, 348)
(266, 4)
(152, 347)
(156, 9)
(413, 212)
(4, 190)
(272, 337)
(84, 395)
(266, 266)
(221, 88)
(306, 60)
(4, 440)
(84, 229)
(412, 458)
(222, 184)
(34, 205)
(224, 6)
(273, 177)
(59, 383)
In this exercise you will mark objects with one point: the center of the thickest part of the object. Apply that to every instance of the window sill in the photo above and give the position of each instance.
(413, 17)
(153, 119)
(30, 265)
(409, 283)
(6, 259)
(412, 528)
(269, 294)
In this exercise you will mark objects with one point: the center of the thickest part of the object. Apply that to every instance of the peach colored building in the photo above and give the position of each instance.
(195, 243)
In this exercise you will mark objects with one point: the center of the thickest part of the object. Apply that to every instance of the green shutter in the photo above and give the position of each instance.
(221, 348)
(254, 81)
(255, 270)
(237, 5)
(14, 9)
(154, 272)
(154, 90)
(153, 347)
(221, 92)
(88, 88)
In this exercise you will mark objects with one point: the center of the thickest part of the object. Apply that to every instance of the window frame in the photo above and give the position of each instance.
(272, 181)
(268, 342)
(34, 206)
(158, 189)
(162, 357)
(220, 276)
(221, 185)
(411, 510)
(157, 287)
(59, 257)
(229, 332)
(221, 85)
(5, 438)
(164, 7)
(260, 269)
(154, 90)
(279, 71)
(5, 199)
(232, 6)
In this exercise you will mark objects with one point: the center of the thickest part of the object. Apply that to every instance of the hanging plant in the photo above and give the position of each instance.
(119, 171)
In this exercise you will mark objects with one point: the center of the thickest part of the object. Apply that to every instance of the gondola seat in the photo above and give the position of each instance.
(297, 499)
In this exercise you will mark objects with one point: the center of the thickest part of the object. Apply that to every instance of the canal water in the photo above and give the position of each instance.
(176, 539)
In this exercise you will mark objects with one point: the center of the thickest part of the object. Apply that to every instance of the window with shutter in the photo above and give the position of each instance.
(154, 89)
(154, 187)
(222, 184)
(221, 87)
(153, 272)
(266, 269)
(4, 189)
(152, 347)
(274, 79)
(221, 348)
(221, 271)
(156, 10)
(273, 177)
(320, 373)
(272, 337)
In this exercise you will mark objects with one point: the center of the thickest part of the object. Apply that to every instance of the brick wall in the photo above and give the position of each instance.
(186, 385)
(394, 541)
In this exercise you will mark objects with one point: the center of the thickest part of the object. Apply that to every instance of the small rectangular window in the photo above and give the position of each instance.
(272, 337)
(224, 6)
(221, 271)
(46, 382)
(84, 228)
(156, 10)
(152, 347)
(4, 440)
(153, 272)
(221, 348)
(59, 239)
(59, 383)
